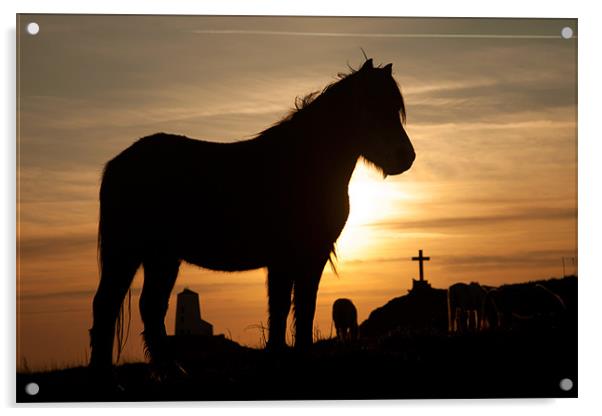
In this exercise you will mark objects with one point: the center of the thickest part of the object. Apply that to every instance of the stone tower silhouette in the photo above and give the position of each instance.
(188, 315)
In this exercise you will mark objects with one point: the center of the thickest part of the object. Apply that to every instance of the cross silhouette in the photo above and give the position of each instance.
(421, 259)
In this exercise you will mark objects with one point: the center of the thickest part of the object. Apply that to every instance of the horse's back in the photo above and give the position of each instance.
(469, 296)
(196, 198)
(530, 299)
(158, 173)
(170, 156)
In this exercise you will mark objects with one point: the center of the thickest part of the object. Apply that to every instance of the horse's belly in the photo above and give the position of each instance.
(226, 264)
(225, 252)
(241, 235)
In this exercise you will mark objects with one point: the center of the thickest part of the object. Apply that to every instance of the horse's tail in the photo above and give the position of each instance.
(121, 330)
(332, 259)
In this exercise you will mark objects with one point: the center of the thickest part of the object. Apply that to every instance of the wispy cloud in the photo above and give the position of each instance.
(74, 243)
(527, 215)
(374, 35)
(528, 258)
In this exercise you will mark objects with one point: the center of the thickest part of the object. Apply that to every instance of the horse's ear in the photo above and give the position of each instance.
(367, 65)
(388, 69)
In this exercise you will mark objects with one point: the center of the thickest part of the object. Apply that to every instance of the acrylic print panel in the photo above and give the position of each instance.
(407, 184)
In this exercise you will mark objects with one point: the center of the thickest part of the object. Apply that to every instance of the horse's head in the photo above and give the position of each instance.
(381, 137)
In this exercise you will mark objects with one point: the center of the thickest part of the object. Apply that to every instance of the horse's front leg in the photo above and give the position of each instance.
(280, 286)
(307, 280)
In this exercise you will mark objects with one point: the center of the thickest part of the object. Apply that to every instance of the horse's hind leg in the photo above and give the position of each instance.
(159, 277)
(118, 270)
(475, 320)
(469, 320)
(458, 319)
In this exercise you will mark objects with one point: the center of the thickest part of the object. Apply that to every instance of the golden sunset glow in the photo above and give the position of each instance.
(372, 200)
(491, 196)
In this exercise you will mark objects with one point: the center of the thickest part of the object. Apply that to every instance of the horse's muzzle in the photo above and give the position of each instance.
(405, 159)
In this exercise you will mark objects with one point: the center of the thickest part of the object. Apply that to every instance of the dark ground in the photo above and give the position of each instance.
(529, 362)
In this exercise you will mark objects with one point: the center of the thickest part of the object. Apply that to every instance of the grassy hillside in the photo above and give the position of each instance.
(392, 364)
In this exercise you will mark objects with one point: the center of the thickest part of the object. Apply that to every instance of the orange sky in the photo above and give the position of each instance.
(491, 113)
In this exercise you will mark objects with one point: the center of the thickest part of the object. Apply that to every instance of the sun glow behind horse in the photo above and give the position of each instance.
(371, 201)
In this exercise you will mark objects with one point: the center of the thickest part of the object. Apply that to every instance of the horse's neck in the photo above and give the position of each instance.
(326, 149)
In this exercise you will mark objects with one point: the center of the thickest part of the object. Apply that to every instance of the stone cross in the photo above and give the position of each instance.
(421, 259)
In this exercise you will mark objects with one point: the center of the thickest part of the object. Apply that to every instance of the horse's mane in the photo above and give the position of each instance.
(310, 101)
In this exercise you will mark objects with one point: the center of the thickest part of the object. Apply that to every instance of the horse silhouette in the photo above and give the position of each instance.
(523, 306)
(464, 306)
(344, 316)
(278, 200)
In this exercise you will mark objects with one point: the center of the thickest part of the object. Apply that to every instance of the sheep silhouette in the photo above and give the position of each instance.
(344, 316)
